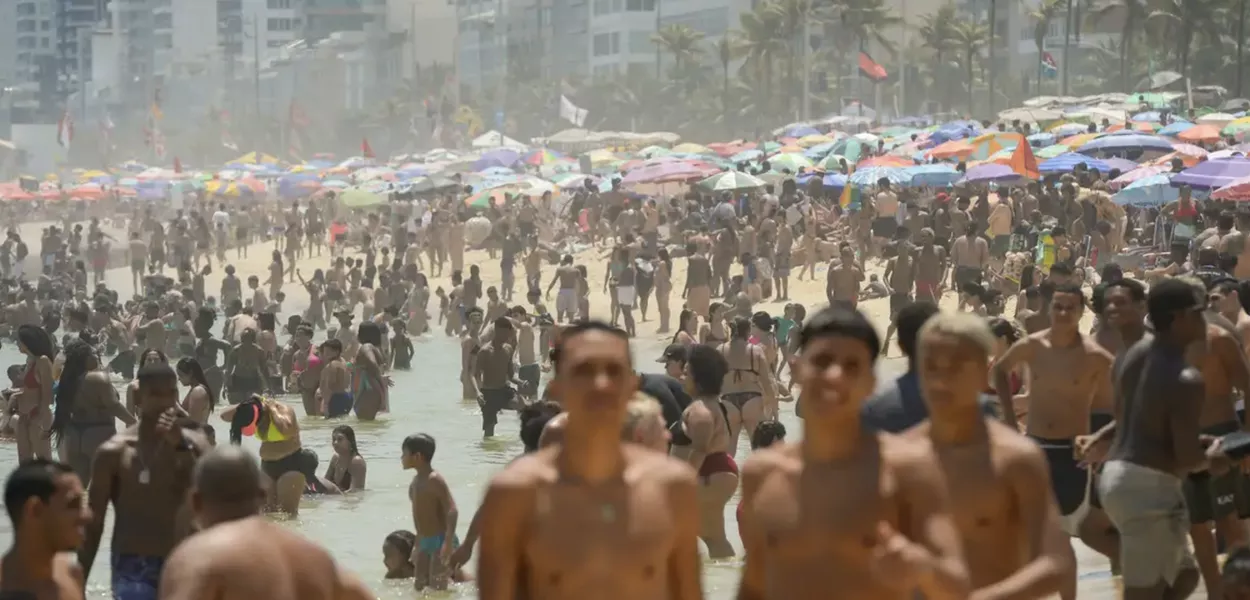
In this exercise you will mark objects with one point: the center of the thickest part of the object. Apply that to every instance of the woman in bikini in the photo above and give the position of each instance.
(749, 385)
(712, 333)
(347, 467)
(200, 400)
(34, 402)
(687, 326)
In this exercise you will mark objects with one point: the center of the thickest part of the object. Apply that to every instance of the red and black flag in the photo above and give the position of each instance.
(871, 69)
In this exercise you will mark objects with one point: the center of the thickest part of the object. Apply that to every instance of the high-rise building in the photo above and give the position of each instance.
(324, 17)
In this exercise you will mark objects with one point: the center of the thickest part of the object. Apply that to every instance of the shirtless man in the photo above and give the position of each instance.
(566, 298)
(931, 269)
(1234, 244)
(842, 282)
(528, 370)
(47, 505)
(970, 254)
(334, 390)
(246, 369)
(138, 253)
(470, 342)
(434, 514)
(227, 498)
(1155, 445)
(553, 522)
(1067, 379)
(1213, 498)
(845, 508)
(706, 423)
(900, 275)
(493, 370)
(145, 473)
(997, 478)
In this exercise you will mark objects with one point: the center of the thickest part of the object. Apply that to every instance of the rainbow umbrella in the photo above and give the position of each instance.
(484, 198)
(543, 156)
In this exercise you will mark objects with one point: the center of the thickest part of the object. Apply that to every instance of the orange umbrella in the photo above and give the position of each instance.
(90, 191)
(1205, 132)
(1141, 126)
(889, 160)
(951, 149)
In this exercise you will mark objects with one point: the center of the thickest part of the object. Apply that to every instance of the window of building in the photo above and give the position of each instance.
(279, 25)
(164, 21)
(603, 7)
(43, 43)
(711, 22)
(639, 5)
(607, 44)
(45, 25)
(26, 9)
(26, 26)
(278, 4)
(640, 42)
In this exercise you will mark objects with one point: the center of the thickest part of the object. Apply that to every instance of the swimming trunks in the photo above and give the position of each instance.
(529, 375)
(492, 402)
(1069, 480)
(136, 577)
(1212, 497)
(340, 404)
(433, 544)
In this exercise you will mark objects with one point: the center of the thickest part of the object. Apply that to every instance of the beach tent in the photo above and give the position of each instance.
(494, 139)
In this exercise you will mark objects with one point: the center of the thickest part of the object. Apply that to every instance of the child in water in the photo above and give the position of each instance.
(397, 554)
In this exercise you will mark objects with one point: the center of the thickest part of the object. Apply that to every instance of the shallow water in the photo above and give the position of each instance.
(427, 400)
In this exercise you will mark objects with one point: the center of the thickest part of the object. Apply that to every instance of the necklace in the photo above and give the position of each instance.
(145, 476)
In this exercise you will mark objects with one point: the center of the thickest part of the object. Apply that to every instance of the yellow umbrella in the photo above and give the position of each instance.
(601, 158)
(91, 174)
(255, 158)
(808, 141)
(226, 188)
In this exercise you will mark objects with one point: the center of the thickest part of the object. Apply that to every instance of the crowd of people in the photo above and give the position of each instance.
(1007, 434)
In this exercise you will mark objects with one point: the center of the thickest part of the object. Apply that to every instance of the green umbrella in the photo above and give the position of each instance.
(791, 162)
(361, 198)
(654, 151)
(1052, 151)
(833, 163)
(731, 180)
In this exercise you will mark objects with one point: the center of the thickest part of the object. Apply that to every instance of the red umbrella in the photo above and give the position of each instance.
(1238, 191)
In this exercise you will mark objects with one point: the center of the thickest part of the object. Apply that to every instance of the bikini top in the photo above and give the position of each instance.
(724, 350)
(345, 482)
(677, 433)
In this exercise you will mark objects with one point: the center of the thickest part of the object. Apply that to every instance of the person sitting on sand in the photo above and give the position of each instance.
(875, 289)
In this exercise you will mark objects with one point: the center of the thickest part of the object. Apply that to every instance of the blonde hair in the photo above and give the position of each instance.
(640, 408)
(965, 327)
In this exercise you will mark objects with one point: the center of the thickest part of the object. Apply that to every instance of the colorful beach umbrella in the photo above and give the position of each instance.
(1154, 190)
(732, 180)
(790, 162)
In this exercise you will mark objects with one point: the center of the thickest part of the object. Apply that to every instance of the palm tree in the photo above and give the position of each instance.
(724, 50)
(971, 38)
(794, 15)
(1134, 14)
(1183, 18)
(937, 32)
(684, 43)
(759, 39)
(1042, 17)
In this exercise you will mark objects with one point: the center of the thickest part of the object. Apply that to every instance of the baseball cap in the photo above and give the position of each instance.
(673, 352)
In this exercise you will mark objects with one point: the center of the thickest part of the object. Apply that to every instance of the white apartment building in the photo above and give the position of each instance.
(269, 25)
(621, 30)
(34, 33)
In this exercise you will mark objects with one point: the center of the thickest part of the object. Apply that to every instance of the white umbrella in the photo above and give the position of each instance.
(732, 180)
(1217, 118)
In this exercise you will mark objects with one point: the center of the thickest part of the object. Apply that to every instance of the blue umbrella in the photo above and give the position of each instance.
(871, 175)
(932, 175)
(1155, 190)
(1124, 142)
(819, 151)
(955, 130)
(1174, 129)
(991, 173)
(829, 180)
(799, 131)
(1213, 174)
(410, 173)
(747, 155)
(1065, 163)
(499, 157)
(1151, 116)
(1041, 140)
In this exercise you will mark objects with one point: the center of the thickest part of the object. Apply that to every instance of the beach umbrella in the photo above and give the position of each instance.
(1238, 190)
(1214, 173)
(1175, 128)
(411, 170)
(932, 175)
(653, 151)
(1034, 115)
(484, 198)
(255, 158)
(1217, 119)
(87, 191)
(1201, 133)
(543, 156)
(871, 175)
(1064, 130)
(833, 163)
(888, 160)
(790, 162)
(992, 173)
(1153, 190)
(227, 188)
(1123, 164)
(359, 197)
(1241, 125)
(690, 148)
(1041, 140)
(1065, 163)
(498, 157)
(799, 131)
(747, 155)
(829, 180)
(372, 173)
(132, 166)
(1190, 150)
(819, 151)
(664, 173)
(951, 150)
(336, 184)
(808, 141)
(1150, 116)
(731, 180)
(1139, 173)
(1127, 141)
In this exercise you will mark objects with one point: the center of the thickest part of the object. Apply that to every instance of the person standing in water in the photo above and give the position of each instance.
(247, 370)
(34, 402)
(815, 513)
(998, 479)
(554, 522)
(705, 423)
(145, 473)
(371, 383)
(494, 374)
(200, 400)
(87, 408)
(347, 467)
(334, 390)
(434, 513)
(227, 497)
(48, 508)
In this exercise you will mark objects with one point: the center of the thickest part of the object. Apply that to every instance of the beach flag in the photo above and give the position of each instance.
(850, 197)
(1023, 162)
(1049, 67)
(571, 112)
(65, 130)
(365, 150)
(870, 68)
